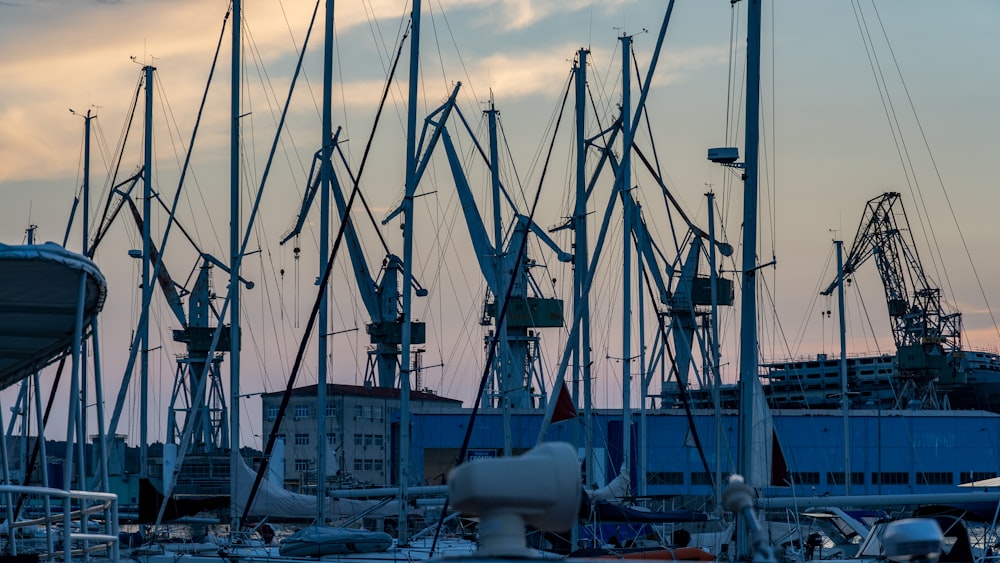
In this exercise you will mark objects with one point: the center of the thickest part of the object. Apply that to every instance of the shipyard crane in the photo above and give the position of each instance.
(526, 310)
(381, 296)
(211, 435)
(928, 335)
(515, 371)
(691, 292)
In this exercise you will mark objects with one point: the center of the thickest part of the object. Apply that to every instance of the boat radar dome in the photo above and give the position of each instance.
(540, 488)
(916, 540)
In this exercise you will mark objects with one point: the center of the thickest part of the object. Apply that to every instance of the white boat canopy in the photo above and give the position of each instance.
(42, 289)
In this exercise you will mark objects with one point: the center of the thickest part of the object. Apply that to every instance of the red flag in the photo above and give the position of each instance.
(564, 406)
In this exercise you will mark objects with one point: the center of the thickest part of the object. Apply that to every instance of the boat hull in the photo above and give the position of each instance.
(317, 541)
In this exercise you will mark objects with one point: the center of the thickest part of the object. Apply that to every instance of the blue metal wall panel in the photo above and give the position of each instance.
(890, 442)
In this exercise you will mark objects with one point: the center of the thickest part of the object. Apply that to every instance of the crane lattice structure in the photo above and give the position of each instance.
(381, 294)
(928, 335)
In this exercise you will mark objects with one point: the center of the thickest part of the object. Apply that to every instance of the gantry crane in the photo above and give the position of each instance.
(517, 379)
(197, 368)
(928, 335)
(503, 266)
(381, 296)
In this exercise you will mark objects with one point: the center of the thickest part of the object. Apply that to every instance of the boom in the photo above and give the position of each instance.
(927, 334)
(915, 307)
(381, 296)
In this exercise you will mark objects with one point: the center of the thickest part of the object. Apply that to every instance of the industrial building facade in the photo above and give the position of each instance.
(358, 436)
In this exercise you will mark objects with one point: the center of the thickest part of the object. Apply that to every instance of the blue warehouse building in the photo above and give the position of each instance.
(891, 452)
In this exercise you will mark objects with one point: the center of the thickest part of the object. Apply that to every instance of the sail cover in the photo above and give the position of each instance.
(40, 292)
(274, 501)
(610, 512)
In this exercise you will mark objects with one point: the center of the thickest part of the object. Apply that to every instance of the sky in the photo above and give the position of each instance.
(858, 98)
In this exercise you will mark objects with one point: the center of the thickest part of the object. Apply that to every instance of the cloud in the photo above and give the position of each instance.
(521, 14)
(74, 54)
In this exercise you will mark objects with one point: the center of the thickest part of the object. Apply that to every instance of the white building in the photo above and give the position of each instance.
(361, 428)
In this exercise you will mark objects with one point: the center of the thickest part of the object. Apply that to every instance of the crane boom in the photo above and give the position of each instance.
(918, 315)
(928, 336)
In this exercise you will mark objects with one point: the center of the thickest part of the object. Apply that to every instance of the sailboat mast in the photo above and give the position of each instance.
(147, 282)
(85, 228)
(86, 182)
(326, 173)
(717, 379)
(581, 260)
(234, 269)
(406, 336)
(625, 181)
(845, 401)
(748, 314)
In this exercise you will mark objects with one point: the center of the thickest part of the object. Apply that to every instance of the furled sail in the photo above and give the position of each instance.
(274, 501)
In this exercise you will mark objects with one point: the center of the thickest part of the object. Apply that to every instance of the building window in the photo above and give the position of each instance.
(366, 412)
(368, 464)
(891, 478)
(196, 470)
(302, 465)
(805, 478)
(935, 478)
(664, 478)
(702, 478)
(366, 440)
(971, 476)
(331, 411)
(377, 413)
(837, 478)
(301, 411)
(358, 411)
(302, 439)
(331, 439)
(272, 412)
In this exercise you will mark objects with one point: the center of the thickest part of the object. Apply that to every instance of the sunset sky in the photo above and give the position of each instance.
(914, 111)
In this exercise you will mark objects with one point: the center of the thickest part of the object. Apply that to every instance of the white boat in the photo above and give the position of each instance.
(49, 302)
(42, 288)
(317, 541)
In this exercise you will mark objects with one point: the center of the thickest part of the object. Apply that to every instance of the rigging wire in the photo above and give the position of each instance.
(655, 168)
(681, 388)
(444, 239)
(901, 145)
(730, 133)
(940, 180)
(305, 72)
(769, 170)
(461, 60)
(501, 317)
(123, 138)
(186, 437)
(871, 326)
(323, 285)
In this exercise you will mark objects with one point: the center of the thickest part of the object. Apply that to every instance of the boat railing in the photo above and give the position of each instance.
(243, 538)
(807, 358)
(87, 523)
